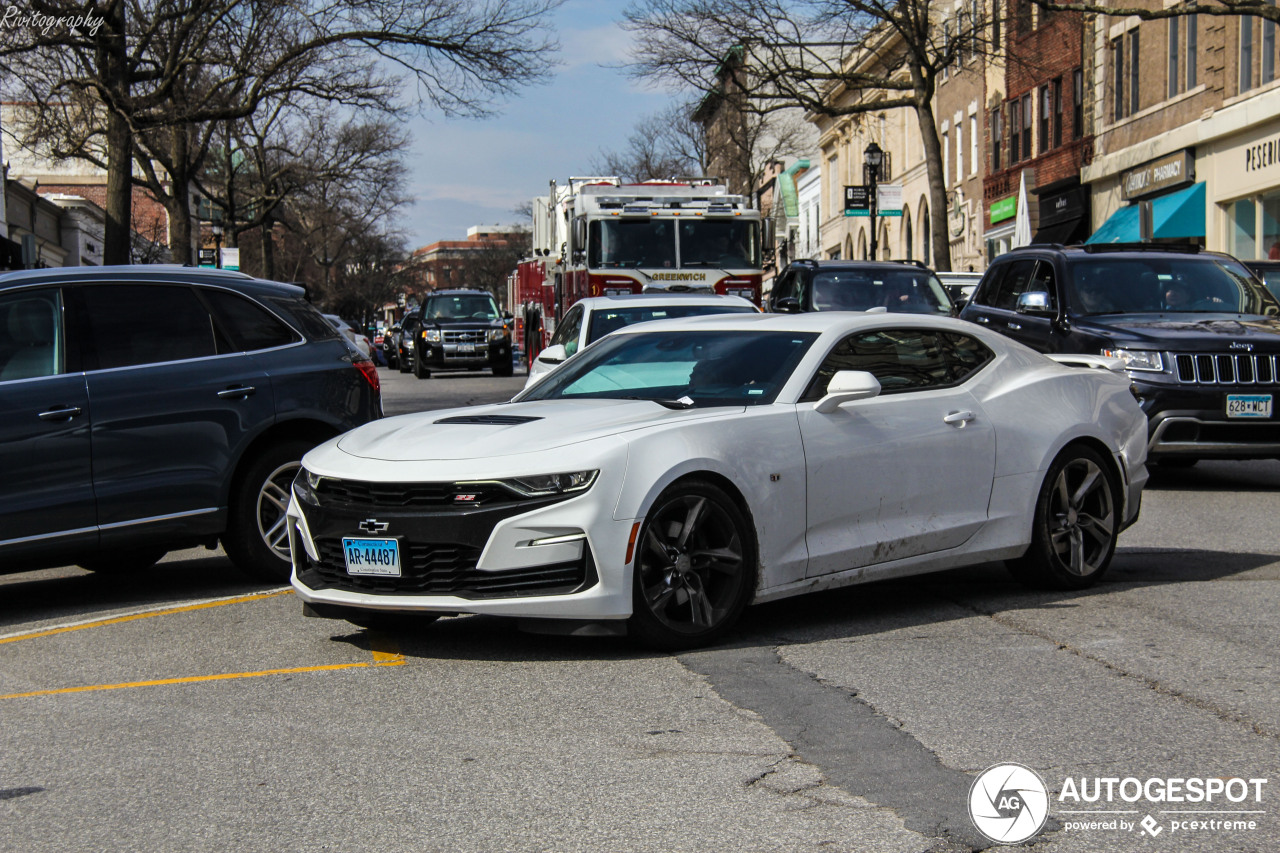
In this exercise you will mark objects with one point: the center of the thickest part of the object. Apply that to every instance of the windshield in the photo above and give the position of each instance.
(722, 243)
(908, 291)
(628, 243)
(606, 320)
(1162, 284)
(711, 368)
(460, 306)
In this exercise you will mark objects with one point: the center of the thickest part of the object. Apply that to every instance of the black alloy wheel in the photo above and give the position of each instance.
(1077, 524)
(694, 570)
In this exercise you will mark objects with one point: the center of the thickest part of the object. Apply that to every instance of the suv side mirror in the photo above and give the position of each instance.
(847, 386)
(787, 305)
(1035, 302)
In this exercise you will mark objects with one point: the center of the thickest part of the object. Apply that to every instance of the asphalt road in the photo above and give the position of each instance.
(185, 708)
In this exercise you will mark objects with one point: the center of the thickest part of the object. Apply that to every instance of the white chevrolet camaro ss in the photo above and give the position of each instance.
(677, 471)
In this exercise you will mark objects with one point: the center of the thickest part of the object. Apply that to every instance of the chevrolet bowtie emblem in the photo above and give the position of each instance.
(372, 525)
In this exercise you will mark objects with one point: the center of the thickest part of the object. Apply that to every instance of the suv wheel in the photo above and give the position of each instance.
(503, 368)
(257, 539)
(402, 363)
(420, 370)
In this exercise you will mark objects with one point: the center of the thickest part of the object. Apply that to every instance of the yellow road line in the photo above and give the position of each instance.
(187, 608)
(198, 678)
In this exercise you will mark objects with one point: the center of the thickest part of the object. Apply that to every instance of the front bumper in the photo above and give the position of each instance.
(1191, 422)
(447, 356)
(557, 558)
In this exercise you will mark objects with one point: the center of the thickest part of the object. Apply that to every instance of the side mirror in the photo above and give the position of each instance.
(507, 315)
(1034, 302)
(847, 386)
(553, 354)
(787, 305)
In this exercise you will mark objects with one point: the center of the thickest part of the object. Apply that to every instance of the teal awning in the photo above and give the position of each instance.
(1120, 227)
(1179, 214)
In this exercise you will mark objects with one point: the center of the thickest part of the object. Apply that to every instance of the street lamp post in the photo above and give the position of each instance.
(872, 158)
(216, 228)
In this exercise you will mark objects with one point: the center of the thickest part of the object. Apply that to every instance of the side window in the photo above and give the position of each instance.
(31, 334)
(965, 356)
(567, 333)
(147, 324)
(1016, 281)
(247, 324)
(1044, 281)
(901, 359)
(785, 287)
(990, 284)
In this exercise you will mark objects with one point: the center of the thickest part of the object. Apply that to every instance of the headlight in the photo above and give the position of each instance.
(497, 334)
(543, 485)
(305, 485)
(1137, 359)
(431, 336)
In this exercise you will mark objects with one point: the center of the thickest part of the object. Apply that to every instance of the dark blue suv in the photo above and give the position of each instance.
(147, 409)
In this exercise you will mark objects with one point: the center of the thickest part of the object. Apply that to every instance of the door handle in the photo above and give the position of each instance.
(1017, 327)
(959, 419)
(983, 320)
(239, 392)
(63, 413)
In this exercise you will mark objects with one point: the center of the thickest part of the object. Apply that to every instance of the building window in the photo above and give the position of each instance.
(1134, 64)
(997, 137)
(1268, 51)
(1246, 55)
(946, 158)
(1026, 125)
(995, 25)
(1193, 25)
(973, 143)
(1125, 65)
(1015, 137)
(959, 152)
(1175, 53)
(1056, 86)
(1022, 12)
(1077, 103)
(837, 187)
(1046, 114)
(1117, 79)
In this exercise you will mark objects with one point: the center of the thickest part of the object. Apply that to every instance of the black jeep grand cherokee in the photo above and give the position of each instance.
(1199, 334)
(461, 330)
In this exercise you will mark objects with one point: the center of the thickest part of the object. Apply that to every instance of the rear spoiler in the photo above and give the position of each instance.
(1098, 362)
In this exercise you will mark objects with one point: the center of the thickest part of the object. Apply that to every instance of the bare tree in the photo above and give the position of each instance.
(489, 266)
(662, 146)
(1218, 8)
(832, 58)
(149, 71)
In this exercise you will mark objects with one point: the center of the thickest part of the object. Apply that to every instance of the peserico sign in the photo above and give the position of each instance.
(1158, 175)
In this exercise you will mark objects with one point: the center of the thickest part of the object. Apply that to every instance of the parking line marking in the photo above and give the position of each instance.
(198, 678)
(147, 614)
(385, 651)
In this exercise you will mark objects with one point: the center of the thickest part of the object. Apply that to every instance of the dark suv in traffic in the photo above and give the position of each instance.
(896, 286)
(148, 409)
(458, 330)
(1198, 334)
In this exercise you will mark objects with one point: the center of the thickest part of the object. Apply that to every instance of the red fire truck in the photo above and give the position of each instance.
(601, 237)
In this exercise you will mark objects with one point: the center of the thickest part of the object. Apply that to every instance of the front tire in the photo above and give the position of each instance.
(1077, 524)
(420, 369)
(257, 539)
(694, 569)
(402, 363)
(506, 368)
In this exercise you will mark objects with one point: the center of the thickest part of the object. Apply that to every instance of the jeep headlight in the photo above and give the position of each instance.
(1136, 359)
(544, 485)
(431, 336)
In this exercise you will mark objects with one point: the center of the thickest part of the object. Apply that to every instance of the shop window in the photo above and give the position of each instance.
(1243, 229)
(1271, 225)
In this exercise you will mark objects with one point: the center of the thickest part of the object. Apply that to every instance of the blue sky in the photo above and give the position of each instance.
(468, 172)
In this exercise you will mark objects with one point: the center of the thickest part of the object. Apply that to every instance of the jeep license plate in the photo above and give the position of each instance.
(379, 557)
(1248, 405)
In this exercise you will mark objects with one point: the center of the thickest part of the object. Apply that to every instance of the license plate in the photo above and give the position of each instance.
(1248, 405)
(466, 349)
(372, 557)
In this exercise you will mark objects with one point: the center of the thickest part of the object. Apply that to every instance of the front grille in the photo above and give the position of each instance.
(466, 336)
(1225, 368)
(443, 568)
(370, 495)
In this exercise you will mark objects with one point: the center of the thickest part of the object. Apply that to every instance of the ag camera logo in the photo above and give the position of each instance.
(1008, 803)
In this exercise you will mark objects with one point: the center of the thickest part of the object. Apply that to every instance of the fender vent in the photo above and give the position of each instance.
(488, 420)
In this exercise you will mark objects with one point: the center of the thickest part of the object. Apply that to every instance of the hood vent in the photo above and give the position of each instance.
(487, 420)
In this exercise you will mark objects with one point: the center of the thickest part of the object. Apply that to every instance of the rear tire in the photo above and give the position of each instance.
(123, 561)
(257, 538)
(1076, 526)
(694, 569)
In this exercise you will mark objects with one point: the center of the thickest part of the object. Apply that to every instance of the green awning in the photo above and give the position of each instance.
(1179, 214)
(1120, 227)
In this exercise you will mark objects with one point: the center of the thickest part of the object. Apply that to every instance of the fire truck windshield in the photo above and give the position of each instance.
(629, 243)
(724, 243)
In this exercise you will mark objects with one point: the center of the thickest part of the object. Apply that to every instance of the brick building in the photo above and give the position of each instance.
(483, 260)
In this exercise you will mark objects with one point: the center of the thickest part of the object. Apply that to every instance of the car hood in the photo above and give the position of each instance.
(1190, 331)
(508, 429)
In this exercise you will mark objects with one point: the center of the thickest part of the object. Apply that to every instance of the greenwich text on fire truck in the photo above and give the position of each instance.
(600, 237)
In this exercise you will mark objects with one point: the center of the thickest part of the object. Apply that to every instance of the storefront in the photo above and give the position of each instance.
(1244, 187)
(999, 237)
(1064, 213)
(1164, 202)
